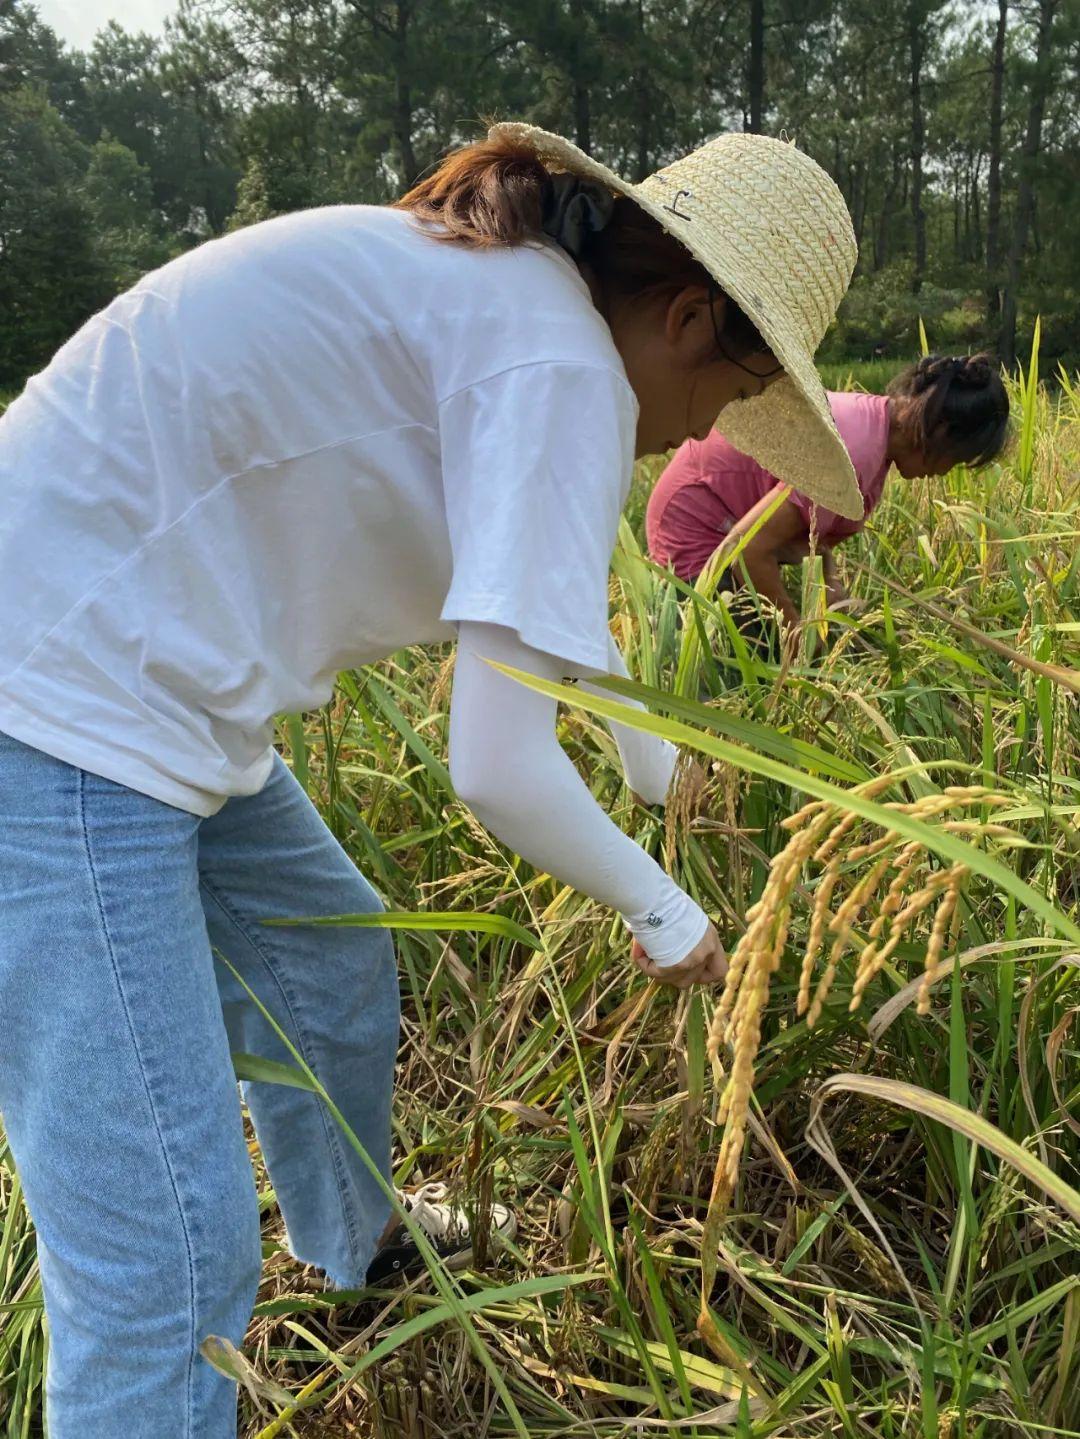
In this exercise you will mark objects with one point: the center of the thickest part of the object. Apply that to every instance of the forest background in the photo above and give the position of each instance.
(952, 127)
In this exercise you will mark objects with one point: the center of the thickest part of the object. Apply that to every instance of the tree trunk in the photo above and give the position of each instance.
(301, 97)
(859, 188)
(917, 44)
(1025, 194)
(757, 66)
(403, 112)
(582, 108)
(644, 130)
(881, 239)
(993, 189)
(968, 187)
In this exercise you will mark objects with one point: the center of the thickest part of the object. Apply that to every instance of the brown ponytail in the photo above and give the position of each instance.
(494, 192)
(489, 193)
(965, 395)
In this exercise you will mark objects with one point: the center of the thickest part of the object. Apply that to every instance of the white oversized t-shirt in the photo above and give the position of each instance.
(292, 451)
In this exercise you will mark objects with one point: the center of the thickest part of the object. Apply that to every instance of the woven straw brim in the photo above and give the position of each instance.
(789, 428)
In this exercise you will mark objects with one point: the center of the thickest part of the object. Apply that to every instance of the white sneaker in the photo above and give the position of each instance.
(445, 1225)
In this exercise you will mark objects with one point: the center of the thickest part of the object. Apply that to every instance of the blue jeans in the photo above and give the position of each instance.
(117, 1089)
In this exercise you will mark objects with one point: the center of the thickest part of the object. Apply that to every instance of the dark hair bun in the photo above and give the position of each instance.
(975, 373)
(972, 372)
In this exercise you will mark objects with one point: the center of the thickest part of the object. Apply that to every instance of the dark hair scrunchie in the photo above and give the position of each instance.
(970, 372)
(974, 373)
(573, 208)
(932, 369)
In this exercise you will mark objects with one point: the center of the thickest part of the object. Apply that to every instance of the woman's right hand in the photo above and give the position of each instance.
(705, 964)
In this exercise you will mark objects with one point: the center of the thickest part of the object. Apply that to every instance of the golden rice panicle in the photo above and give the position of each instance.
(839, 830)
(842, 923)
(826, 854)
(980, 827)
(871, 788)
(763, 946)
(873, 957)
(873, 847)
(883, 1273)
(441, 688)
(968, 793)
(822, 834)
(938, 931)
(823, 854)
(748, 944)
(755, 946)
(741, 1022)
(737, 1018)
(762, 920)
(800, 817)
(818, 920)
(917, 903)
(685, 793)
(735, 1101)
(904, 863)
(848, 913)
(923, 898)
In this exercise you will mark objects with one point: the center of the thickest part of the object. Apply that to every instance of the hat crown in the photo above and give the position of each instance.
(772, 229)
(779, 211)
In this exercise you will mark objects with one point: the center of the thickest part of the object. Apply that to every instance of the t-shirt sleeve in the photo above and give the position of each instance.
(693, 522)
(536, 465)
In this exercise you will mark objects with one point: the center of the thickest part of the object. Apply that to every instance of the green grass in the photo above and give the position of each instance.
(556, 1079)
(871, 375)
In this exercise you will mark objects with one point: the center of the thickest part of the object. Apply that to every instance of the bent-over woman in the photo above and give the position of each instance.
(293, 451)
(938, 413)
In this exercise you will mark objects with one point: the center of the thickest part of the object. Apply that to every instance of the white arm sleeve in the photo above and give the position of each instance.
(509, 768)
(648, 762)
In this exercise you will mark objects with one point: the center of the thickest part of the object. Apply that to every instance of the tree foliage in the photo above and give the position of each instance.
(952, 127)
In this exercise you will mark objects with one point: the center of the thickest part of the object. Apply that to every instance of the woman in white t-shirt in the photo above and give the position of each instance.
(291, 451)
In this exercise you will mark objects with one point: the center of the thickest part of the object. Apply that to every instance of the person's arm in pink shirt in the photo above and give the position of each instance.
(780, 539)
(784, 539)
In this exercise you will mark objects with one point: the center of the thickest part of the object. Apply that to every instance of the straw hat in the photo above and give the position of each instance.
(772, 229)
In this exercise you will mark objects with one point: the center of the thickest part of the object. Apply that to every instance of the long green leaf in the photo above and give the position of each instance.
(963, 1121)
(934, 838)
(270, 1071)
(469, 1304)
(743, 731)
(451, 919)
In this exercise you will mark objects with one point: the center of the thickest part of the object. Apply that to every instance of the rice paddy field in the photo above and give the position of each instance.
(839, 1197)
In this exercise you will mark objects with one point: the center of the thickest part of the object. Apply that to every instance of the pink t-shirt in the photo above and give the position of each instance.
(709, 485)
